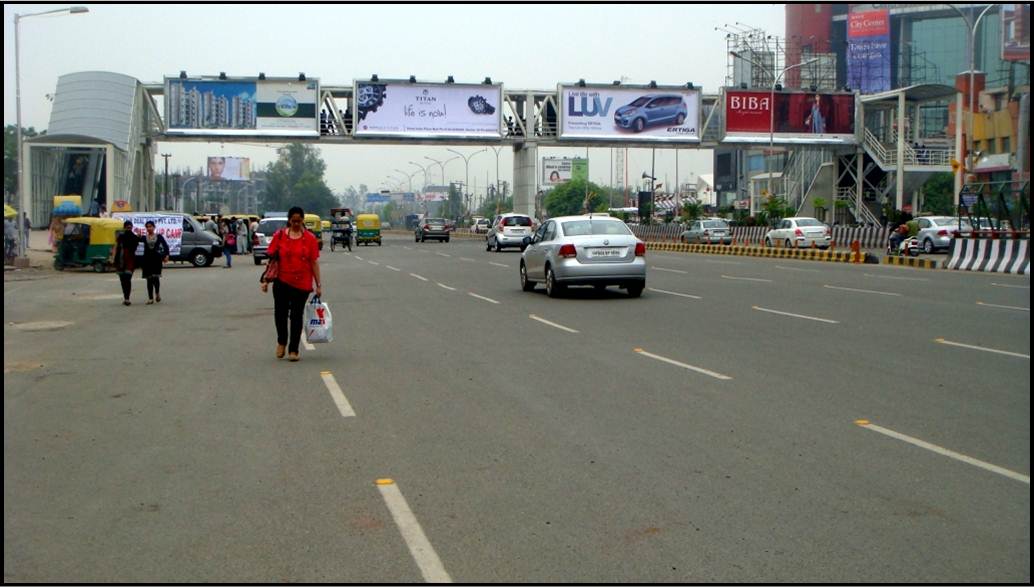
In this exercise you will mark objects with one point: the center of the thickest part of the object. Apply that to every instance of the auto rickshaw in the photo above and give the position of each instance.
(87, 241)
(315, 225)
(368, 229)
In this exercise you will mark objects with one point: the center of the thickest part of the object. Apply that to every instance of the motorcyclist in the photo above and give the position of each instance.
(897, 237)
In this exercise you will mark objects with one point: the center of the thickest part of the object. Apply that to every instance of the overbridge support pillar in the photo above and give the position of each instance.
(525, 157)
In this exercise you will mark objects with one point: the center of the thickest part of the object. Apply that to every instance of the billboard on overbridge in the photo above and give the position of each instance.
(417, 110)
(242, 106)
(630, 113)
(753, 116)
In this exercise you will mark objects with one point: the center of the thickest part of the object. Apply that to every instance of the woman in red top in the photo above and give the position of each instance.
(296, 251)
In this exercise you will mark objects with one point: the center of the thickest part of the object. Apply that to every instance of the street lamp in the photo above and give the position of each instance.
(22, 237)
(771, 113)
(441, 165)
(409, 177)
(972, 25)
(423, 169)
(466, 167)
(497, 151)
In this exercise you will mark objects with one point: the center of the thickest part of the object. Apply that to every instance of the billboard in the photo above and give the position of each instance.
(630, 114)
(868, 51)
(169, 226)
(1016, 32)
(229, 168)
(404, 109)
(556, 171)
(378, 198)
(799, 117)
(242, 107)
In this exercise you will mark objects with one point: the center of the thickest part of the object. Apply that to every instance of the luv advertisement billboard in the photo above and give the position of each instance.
(630, 114)
(800, 117)
(242, 107)
(404, 109)
(868, 51)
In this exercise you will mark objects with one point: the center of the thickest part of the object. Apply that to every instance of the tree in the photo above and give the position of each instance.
(296, 179)
(775, 208)
(570, 198)
(939, 197)
(11, 155)
(691, 211)
(820, 207)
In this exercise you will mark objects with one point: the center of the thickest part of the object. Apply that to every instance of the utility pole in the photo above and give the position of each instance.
(165, 197)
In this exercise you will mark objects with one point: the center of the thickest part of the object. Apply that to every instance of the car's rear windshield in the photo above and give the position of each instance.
(271, 226)
(715, 224)
(808, 222)
(590, 227)
(516, 221)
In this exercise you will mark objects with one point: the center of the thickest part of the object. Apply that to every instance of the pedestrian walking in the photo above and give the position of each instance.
(25, 235)
(242, 236)
(156, 252)
(125, 258)
(211, 226)
(296, 252)
(252, 229)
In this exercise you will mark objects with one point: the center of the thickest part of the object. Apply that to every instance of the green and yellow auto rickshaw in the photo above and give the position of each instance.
(368, 229)
(315, 225)
(87, 241)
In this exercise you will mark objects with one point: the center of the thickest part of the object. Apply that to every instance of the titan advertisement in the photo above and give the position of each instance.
(404, 109)
(556, 171)
(868, 51)
(242, 107)
(630, 114)
(229, 168)
(799, 117)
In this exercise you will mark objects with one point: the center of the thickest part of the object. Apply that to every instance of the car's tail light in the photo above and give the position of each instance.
(640, 249)
(707, 233)
(567, 251)
(942, 233)
(427, 227)
(798, 232)
(829, 231)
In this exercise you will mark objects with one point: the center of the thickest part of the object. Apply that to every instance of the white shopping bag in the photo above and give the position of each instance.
(318, 324)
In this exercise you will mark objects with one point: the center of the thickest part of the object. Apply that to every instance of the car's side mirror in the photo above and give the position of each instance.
(528, 240)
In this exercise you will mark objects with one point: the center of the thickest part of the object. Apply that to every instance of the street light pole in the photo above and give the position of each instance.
(165, 190)
(497, 151)
(22, 237)
(409, 176)
(972, 26)
(466, 166)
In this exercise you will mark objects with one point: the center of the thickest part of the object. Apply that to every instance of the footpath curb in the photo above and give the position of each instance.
(776, 253)
(910, 262)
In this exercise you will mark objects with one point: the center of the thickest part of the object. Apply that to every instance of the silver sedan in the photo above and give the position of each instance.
(584, 250)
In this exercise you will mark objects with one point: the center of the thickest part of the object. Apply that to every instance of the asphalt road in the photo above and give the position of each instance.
(681, 438)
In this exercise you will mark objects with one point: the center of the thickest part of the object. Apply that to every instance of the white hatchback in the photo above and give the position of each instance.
(801, 232)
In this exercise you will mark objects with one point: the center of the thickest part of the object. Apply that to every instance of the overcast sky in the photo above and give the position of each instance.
(523, 46)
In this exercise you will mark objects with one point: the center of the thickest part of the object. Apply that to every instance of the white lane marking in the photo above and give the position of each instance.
(895, 277)
(407, 248)
(338, 396)
(358, 257)
(443, 254)
(675, 293)
(553, 324)
(393, 268)
(760, 309)
(499, 265)
(466, 259)
(943, 451)
(670, 270)
(683, 365)
(419, 546)
(882, 293)
(1012, 286)
(1005, 307)
(796, 269)
(746, 279)
(305, 342)
(980, 348)
(721, 262)
(472, 294)
(420, 277)
(442, 285)
(373, 262)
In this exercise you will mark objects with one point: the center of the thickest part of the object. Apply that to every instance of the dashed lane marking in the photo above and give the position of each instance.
(305, 342)
(393, 268)
(499, 265)
(1004, 307)
(882, 293)
(443, 254)
(467, 259)
(1012, 286)
(373, 262)
(675, 293)
(442, 285)
(683, 365)
(796, 269)
(419, 546)
(980, 348)
(472, 294)
(760, 309)
(746, 279)
(553, 324)
(420, 277)
(896, 277)
(337, 395)
(943, 451)
(670, 270)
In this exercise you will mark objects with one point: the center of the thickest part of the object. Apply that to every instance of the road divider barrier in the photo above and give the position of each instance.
(991, 255)
(910, 262)
(777, 253)
(868, 237)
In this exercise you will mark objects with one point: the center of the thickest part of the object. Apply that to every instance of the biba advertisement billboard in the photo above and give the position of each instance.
(799, 117)
(242, 107)
(630, 114)
(404, 109)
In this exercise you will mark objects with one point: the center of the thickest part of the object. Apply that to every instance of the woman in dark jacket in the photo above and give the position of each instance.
(125, 258)
(156, 252)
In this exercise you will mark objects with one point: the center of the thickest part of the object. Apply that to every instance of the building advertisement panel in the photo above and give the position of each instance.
(799, 117)
(630, 114)
(229, 168)
(868, 51)
(242, 107)
(404, 109)
(1016, 32)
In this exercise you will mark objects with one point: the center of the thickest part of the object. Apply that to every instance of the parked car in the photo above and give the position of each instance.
(197, 246)
(935, 232)
(583, 250)
(708, 231)
(800, 231)
(479, 226)
(650, 110)
(264, 235)
(432, 228)
(509, 230)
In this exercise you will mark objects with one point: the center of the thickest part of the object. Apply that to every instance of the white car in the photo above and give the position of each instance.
(479, 226)
(936, 232)
(509, 230)
(801, 232)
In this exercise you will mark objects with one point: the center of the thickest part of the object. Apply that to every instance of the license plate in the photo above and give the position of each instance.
(600, 253)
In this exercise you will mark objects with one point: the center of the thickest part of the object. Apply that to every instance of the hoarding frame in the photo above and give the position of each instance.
(632, 138)
(243, 132)
(785, 139)
(498, 86)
